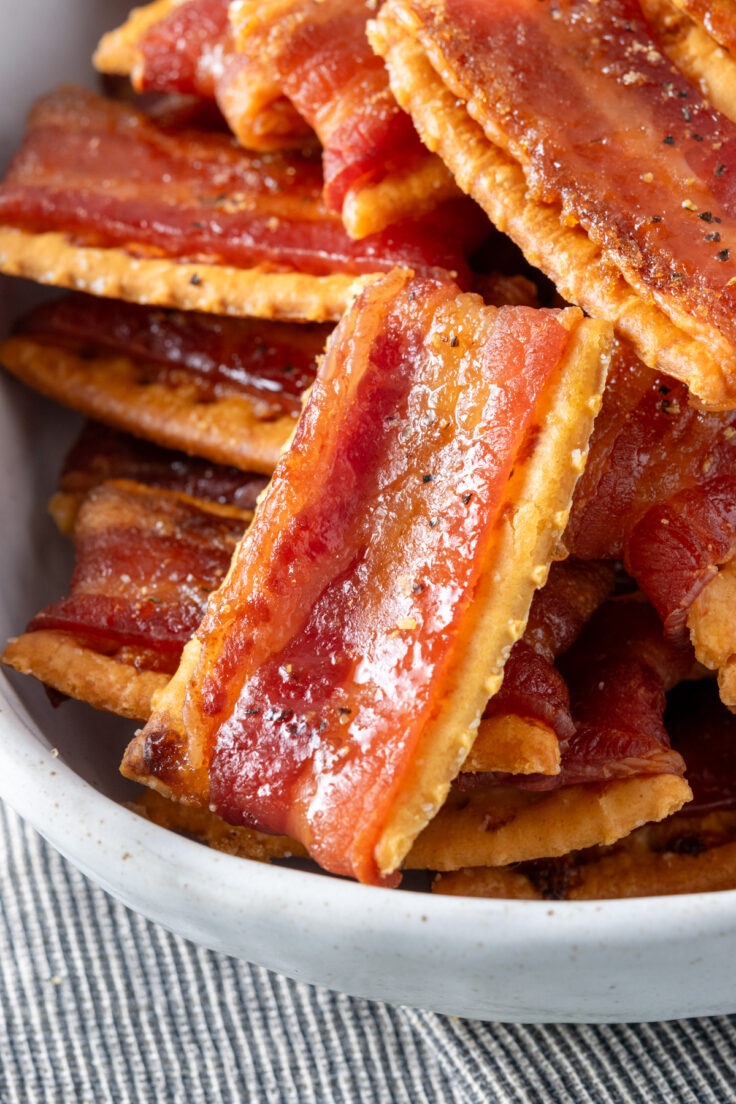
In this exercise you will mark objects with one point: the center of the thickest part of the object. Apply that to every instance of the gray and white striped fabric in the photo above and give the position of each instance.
(98, 1006)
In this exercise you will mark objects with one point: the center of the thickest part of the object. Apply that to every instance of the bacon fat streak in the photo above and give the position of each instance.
(93, 168)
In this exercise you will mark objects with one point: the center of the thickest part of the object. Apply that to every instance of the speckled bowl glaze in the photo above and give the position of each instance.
(522, 961)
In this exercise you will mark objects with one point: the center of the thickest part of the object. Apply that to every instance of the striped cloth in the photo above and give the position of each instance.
(98, 1006)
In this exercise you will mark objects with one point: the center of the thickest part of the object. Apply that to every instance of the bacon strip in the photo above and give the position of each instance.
(100, 455)
(314, 685)
(146, 563)
(287, 68)
(91, 169)
(659, 489)
(224, 388)
(628, 201)
(618, 673)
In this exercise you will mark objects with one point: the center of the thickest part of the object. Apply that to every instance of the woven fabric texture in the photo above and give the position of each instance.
(99, 1006)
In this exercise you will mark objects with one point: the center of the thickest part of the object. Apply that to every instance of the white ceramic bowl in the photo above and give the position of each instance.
(515, 961)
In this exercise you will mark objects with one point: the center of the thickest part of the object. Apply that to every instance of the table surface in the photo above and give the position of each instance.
(98, 1005)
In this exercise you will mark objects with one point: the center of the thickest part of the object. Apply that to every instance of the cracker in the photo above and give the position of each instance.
(683, 854)
(502, 825)
(50, 258)
(675, 342)
(514, 745)
(59, 660)
(116, 390)
(210, 829)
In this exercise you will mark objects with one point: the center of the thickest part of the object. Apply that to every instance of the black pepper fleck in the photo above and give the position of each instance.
(454, 341)
(719, 169)
(656, 218)
(467, 497)
(195, 280)
(723, 255)
(427, 478)
(697, 137)
(252, 712)
(714, 236)
(706, 216)
(669, 140)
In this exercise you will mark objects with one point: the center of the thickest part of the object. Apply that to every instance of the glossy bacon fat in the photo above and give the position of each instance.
(614, 139)
(271, 363)
(340, 672)
(104, 174)
(146, 562)
(659, 490)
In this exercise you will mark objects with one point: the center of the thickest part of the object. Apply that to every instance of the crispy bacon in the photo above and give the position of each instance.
(270, 362)
(285, 69)
(101, 454)
(612, 139)
(93, 169)
(319, 57)
(532, 687)
(659, 490)
(618, 673)
(146, 564)
(314, 685)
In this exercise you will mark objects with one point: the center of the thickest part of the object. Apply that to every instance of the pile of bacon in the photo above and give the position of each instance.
(401, 569)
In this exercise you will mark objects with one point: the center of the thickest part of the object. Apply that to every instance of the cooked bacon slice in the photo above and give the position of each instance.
(185, 47)
(147, 560)
(527, 721)
(100, 454)
(318, 56)
(287, 68)
(599, 159)
(83, 205)
(224, 388)
(618, 673)
(690, 852)
(659, 492)
(146, 563)
(338, 677)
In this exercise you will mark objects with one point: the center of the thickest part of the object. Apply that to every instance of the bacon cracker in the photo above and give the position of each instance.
(223, 388)
(356, 788)
(659, 492)
(637, 230)
(83, 206)
(100, 454)
(146, 561)
(693, 851)
(262, 77)
(618, 671)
